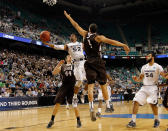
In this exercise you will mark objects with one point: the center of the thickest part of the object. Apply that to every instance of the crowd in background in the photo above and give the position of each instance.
(27, 74)
(27, 29)
(12, 23)
(31, 75)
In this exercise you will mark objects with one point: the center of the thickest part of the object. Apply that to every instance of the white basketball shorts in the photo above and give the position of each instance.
(79, 70)
(147, 94)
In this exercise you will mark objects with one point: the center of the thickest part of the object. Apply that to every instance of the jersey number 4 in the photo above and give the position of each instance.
(68, 73)
(149, 74)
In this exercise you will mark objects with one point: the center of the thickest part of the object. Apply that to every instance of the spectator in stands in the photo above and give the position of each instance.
(35, 92)
(7, 92)
(29, 93)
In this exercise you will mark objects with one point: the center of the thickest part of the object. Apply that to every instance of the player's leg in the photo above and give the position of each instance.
(76, 90)
(55, 110)
(100, 105)
(106, 98)
(79, 79)
(67, 104)
(139, 99)
(76, 110)
(153, 101)
(111, 104)
(58, 100)
(77, 87)
(100, 99)
(77, 117)
(91, 77)
(85, 89)
(91, 105)
(84, 92)
(82, 77)
(156, 116)
(102, 79)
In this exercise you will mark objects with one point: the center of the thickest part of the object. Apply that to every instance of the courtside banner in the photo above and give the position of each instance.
(17, 103)
(6, 36)
(117, 97)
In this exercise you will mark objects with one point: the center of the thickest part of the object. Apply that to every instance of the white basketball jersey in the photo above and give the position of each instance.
(151, 73)
(75, 50)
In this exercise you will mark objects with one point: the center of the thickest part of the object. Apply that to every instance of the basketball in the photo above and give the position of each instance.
(45, 36)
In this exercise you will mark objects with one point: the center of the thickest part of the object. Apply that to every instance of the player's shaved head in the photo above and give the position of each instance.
(93, 28)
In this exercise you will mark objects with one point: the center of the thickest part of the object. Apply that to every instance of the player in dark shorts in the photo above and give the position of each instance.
(94, 65)
(66, 90)
(165, 99)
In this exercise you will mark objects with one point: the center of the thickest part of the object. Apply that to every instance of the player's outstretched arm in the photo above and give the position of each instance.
(138, 79)
(109, 77)
(81, 31)
(56, 47)
(50, 45)
(57, 69)
(106, 40)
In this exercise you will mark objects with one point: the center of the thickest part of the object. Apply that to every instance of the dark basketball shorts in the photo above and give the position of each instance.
(95, 71)
(165, 100)
(65, 91)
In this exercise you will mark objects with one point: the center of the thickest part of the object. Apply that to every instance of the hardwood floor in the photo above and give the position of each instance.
(36, 119)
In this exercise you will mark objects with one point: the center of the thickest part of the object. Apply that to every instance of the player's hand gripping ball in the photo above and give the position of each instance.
(45, 36)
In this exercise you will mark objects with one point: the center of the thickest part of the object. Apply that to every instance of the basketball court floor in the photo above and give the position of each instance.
(36, 119)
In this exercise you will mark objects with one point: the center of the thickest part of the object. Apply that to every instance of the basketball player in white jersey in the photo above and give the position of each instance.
(148, 93)
(75, 49)
(100, 97)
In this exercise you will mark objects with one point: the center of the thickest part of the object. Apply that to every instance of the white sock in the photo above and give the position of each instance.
(99, 110)
(91, 105)
(134, 117)
(75, 96)
(156, 117)
(107, 104)
(82, 100)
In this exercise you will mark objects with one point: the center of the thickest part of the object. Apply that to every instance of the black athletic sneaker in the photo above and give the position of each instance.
(156, 123)
(131, 124)
(110, 110)
(50, 124)
(112, 107)
(98, 114)
(92, 115)
(79, 124)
